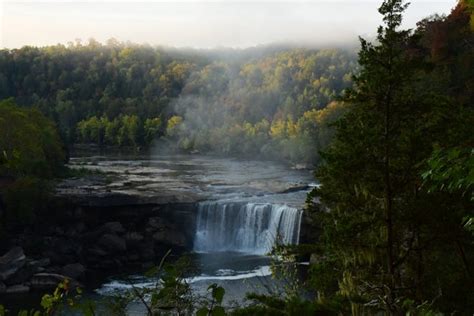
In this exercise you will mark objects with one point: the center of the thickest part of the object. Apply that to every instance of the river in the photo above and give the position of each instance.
(243, 207)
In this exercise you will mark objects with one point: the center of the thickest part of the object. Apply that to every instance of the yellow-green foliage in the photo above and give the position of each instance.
(172, 126)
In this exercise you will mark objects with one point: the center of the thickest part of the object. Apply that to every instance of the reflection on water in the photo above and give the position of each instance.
(238, 273)
(207, 177)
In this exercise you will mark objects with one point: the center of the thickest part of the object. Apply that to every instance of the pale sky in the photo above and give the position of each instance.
(199, 24)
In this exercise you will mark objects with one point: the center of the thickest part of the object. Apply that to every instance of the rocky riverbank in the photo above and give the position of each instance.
(127, 213)
(92, 236)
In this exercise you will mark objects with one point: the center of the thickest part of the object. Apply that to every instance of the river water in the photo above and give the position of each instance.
(245, 207)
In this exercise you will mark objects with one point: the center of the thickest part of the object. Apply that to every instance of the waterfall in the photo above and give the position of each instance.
(245, 227)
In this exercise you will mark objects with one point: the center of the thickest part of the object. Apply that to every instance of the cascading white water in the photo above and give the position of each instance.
(245, 227)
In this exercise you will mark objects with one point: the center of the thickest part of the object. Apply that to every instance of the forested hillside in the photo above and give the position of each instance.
(398, 179)
(265, 102)
(389, 230)
(77, 82)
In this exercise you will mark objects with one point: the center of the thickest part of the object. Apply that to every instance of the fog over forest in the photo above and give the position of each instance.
(199, 24)
(236, 158)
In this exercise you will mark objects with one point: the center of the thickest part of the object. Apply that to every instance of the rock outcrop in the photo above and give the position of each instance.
(11, 262)
(20, 273)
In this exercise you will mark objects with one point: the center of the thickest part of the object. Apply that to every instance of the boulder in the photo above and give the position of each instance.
(74, 270)
(112, 243)
(59, 231)
(42, 263)
(96, 252)
(147, 254)
(113, 227)
(60, 259)
(11, 262)
(133, 239)
(24, 274)
(133, 257)
(17, 289)
(156, 223)
(170, 237)
(49, 281)
(65, 246)
(146, 250)
(80, 227)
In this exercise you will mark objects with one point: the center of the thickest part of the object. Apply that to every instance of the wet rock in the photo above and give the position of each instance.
(146, 251)
(49, 281)
(42, 263)
(80, 227)
(66, 246)
(59, 231)
(148, 265)
(112, 243)
(74, 270)
(92, 236)
(96, 251)
(61, 259)
(300, 166)
(133, 239)
(156, 223)
(296, 188)
(17, 289)
(114, 227)
(170, 237)
(11, 262)
(133, 257)
(23, 274)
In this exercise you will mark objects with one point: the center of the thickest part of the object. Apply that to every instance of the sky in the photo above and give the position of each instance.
(199, 24)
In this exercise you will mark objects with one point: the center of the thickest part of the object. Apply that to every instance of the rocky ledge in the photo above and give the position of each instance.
(81, 238)
(19, 274)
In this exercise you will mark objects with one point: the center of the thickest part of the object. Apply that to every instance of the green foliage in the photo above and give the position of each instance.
(175, 292)
(173, 124)
(30, 144)
(124, 130)
(152, 129)
(384, 235)
(277, 106)
(451, 170)
(123, 94)
(76, 82)
(265, 305)
(63, 298)
(31, 153)
(171, 294)
(214, 308)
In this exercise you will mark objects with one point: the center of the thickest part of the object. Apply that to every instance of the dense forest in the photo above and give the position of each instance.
(268, 102)
(397, 185)
(391, 131)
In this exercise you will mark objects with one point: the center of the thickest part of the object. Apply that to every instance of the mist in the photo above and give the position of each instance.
(273, 103)
(198, 24)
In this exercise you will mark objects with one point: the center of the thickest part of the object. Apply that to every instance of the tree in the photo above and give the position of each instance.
(30, 144)
(152, 128)
(382, 235)
(173, 124)
(30, 152)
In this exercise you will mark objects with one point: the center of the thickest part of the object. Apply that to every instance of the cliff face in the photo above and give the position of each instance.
(100, 235)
